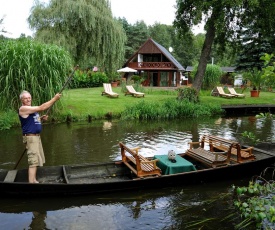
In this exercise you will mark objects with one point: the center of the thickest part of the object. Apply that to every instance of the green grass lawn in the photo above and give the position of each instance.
(84, 102)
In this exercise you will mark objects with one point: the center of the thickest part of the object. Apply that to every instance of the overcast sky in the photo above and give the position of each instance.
(16, 12)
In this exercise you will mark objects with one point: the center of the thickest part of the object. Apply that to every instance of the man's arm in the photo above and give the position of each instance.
(26, 110)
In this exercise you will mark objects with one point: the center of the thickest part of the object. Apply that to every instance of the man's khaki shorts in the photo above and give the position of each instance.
(34, 150)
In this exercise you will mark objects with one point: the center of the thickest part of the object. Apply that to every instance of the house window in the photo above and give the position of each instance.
(152, 58)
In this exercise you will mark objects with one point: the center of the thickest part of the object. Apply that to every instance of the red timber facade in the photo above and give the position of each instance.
(157, 65)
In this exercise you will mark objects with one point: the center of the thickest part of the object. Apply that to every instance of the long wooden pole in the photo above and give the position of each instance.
(20, 159)
(66, 83)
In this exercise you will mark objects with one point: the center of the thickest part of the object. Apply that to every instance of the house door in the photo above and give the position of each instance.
(155, 79)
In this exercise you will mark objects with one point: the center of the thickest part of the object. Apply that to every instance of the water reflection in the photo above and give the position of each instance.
(169, 208)
(38, 220)
(107, 125)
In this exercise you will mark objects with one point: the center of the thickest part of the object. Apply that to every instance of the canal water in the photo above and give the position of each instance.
(169, 208)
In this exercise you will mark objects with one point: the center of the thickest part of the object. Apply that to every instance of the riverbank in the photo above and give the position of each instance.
(88, 104)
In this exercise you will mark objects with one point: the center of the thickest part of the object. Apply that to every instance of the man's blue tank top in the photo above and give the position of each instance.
(31, 124)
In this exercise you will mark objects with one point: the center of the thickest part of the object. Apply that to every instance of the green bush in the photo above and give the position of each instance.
(88, 79)
(137, 78)
(170, 109)
(189, 94)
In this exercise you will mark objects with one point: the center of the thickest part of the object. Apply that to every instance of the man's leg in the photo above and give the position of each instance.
(32, 174)
(33, 157)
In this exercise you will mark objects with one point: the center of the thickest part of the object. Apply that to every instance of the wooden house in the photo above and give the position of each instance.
(156, 65)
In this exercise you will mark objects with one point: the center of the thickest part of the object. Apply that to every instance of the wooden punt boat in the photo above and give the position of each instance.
(116, 176)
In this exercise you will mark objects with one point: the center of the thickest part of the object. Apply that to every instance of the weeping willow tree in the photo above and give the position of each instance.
(85, 27)
(27, 65)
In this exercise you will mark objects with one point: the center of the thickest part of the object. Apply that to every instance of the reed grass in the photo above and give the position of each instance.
(7, 119)
(27, 65)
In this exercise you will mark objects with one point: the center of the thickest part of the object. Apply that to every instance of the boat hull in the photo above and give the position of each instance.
(115, 176)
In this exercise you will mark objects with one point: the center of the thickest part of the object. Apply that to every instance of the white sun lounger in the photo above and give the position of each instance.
(108, 90)
(221, 93)
(133, 92)
(233, 92)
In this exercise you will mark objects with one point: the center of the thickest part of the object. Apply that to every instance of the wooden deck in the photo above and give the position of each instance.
(248, 109)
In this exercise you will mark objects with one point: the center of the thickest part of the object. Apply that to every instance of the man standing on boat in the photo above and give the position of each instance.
(31, 127)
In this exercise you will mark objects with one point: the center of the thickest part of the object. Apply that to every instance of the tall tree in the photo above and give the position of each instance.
(136, 34)
(223, 20)
(187, 49)
(256, 36)
(251, 51)
(227, 57)
(162, 34)
(128, 45)
(85, 27)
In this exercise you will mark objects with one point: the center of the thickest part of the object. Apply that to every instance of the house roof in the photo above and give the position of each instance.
(160, 49)
(169, 55)
(189, 68)
(228, 69)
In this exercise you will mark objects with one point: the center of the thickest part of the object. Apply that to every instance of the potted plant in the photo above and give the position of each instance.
(256, 78)
(114, 79)
(114, 83)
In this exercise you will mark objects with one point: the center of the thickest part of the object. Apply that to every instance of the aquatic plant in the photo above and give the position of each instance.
(256, 203)
(249, 138)
(265, 115)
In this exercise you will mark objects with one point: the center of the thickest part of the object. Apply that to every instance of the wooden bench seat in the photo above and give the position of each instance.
(237, 153)
(208, 157)
(139, 165)
(212, 159)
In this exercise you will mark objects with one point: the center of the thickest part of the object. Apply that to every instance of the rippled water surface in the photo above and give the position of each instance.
(169, 208)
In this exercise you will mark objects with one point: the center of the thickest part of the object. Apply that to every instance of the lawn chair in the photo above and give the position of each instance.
(233, 92)
(108, 90)
(221, 93)
(133, 92)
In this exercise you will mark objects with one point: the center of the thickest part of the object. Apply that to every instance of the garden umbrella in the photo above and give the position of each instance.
(126, 70)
